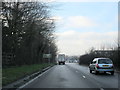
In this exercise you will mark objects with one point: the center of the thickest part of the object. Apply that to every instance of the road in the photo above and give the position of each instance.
(73, 75)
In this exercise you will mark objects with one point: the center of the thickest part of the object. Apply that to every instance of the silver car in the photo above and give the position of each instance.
(101, 65)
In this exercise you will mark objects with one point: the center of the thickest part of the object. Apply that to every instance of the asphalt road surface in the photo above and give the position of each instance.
(72, 75)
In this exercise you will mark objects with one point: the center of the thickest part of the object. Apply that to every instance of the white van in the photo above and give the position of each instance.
(61, 59)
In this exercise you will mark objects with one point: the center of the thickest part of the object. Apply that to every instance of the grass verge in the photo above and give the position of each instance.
(12, 74)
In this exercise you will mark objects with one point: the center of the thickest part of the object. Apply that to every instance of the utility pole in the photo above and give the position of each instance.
(49, 54)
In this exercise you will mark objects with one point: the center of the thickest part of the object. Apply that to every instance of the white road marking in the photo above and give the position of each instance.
(84, 77)
(32, 80)
(76, 71)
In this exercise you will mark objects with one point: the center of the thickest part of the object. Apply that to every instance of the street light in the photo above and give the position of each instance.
(49, 53)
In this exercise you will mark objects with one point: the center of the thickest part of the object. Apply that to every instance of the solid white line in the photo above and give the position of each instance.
(32, 80)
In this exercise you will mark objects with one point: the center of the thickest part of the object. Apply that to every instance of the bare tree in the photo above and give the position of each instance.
(27, 28)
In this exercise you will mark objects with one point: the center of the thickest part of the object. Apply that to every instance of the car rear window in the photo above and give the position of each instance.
(105, 61)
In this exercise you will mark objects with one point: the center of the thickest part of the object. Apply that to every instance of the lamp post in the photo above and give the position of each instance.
(49, 53)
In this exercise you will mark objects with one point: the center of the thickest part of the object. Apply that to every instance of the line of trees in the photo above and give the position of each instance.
(112, 54)
(27, 32)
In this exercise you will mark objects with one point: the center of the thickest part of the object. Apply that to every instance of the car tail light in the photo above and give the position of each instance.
(97, 65)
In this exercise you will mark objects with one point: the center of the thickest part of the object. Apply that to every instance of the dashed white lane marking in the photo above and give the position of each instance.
(84, 77)
(77, 71)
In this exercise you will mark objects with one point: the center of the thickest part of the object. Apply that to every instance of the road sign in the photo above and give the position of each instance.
(47, 55)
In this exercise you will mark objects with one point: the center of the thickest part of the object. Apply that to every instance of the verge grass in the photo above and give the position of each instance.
(12, 74)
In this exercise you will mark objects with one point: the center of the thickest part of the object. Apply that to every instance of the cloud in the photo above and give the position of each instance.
(66, 34)
(57, 18)
(80, 22)
(77, 43)
(75, 22)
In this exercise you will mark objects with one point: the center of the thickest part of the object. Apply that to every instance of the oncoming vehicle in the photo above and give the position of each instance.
(101, 65)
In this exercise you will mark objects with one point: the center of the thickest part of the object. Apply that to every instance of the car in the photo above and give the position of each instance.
(101, 65)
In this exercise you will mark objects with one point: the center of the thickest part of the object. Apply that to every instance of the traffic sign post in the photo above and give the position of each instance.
(47, 56)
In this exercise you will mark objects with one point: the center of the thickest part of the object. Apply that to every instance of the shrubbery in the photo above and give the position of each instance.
(112, 54)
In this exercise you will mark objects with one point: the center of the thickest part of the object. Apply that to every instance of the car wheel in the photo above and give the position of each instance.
(112, 73)
(90, 71)
(104, 72)
(96, 72)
